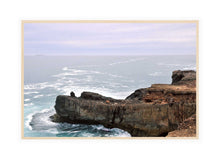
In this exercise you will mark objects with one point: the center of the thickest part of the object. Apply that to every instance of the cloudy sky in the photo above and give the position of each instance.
(109, 38)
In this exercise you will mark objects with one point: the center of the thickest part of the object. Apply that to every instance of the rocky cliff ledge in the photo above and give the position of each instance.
(148, 112)
(187, 128)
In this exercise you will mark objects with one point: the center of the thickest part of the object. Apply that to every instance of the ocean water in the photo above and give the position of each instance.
(45, 77)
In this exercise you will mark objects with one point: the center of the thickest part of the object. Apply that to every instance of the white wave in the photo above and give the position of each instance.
(86, 134)
(27, 123)
(30, 92)
(95, 72)
(41, 120)
(189, 67)
(80, 85)
(30, 116)
(50, 95)
(82, 66)
(78, 71)
(67, 84)
(155, 74)
(36, 86)
(65, 68)
(26, 100)
(79, 89)
(64, 74)
(28, 104)
(37, 96)
(117, 132)
(99, 127)
(120, 133)
(74, 72)
(40, 86)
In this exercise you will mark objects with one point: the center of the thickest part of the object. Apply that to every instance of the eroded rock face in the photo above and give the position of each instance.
(138, 94)
(96, 96)
(185, 129)
(152, 111)
(187, 77)
(165, 93)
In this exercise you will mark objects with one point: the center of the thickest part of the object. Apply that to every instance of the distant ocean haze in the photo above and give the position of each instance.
(45, 77)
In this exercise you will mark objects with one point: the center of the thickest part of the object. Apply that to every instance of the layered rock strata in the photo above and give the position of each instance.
(187, 128)
(153, 111)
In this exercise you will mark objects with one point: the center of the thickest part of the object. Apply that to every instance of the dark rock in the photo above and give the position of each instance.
(96, 96)
(153, 111)
(72, 94)
(136, 117)
(187, 128)
(137, 95)
(187, 77)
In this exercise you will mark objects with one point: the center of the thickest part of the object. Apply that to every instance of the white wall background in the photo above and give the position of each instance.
(11, 14)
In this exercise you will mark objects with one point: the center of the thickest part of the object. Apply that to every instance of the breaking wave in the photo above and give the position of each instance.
(69, 81)
(28, 104)
(94, 78)
(40, 121)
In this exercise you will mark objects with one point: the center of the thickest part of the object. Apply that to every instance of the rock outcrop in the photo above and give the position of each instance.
(72, 94)
(153, 111)
(185, 129)
(187, 78)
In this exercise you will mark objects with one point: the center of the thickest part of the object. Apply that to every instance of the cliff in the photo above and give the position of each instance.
(185, 129)
(153, 111)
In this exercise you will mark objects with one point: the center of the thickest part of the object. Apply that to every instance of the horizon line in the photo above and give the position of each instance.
(111, 55)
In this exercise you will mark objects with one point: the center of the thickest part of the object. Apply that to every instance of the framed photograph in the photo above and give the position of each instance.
(109, 79)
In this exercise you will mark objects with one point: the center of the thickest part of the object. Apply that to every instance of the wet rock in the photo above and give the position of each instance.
(148, 112)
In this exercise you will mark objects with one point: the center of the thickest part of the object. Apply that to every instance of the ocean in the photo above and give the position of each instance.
(46, 77)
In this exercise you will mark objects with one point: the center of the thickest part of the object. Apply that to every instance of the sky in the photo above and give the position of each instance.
(109, 39)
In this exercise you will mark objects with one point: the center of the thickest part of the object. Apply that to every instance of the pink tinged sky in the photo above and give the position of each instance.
(109, 38)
